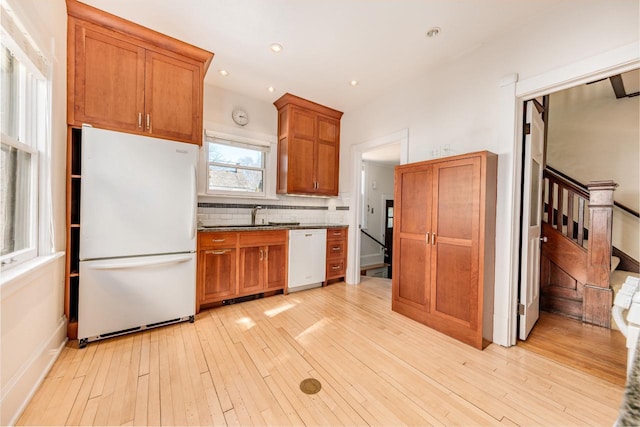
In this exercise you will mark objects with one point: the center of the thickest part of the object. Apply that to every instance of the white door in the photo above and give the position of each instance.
(138, 195)
(531, 221)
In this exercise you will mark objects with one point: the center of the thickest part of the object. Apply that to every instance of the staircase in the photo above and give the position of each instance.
(578, 275)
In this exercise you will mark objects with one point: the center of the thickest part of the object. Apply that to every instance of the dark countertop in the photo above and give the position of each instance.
(263, 227)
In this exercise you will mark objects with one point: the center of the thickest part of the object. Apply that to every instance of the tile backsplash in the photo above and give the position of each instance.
(311, 211)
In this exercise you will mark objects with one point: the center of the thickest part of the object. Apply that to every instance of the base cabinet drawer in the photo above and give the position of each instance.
(336, 253)
(335, 269)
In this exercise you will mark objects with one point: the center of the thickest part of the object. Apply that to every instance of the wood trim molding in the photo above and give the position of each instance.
(288, 98)
(88, 13)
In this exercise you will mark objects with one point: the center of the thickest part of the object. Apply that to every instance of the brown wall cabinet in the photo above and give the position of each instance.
(125, 77)
(308, 147)
(336, 253)
(444, 244)
(235, 264)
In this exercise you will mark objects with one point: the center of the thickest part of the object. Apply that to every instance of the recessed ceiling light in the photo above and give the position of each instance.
(353, 83)
(276, 47)
(223, 73)
(271, 89)
(433, 32)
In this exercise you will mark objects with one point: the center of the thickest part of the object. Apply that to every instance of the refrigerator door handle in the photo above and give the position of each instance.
(194, 201)
(146, 263)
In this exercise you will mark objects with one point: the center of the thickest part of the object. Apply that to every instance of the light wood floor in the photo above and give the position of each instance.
(242, 365)
(597, 351)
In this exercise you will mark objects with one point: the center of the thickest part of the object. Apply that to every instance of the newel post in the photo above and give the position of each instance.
(598, 296)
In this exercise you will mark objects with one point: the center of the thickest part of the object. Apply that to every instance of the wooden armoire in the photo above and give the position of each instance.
(444, 244)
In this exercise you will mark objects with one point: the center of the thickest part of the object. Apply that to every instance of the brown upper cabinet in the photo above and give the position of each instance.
(308, 147)
(126, 77)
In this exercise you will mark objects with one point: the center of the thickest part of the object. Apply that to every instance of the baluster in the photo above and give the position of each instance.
(570, 223)
(559, 220)
(550, 212)
(581, 206)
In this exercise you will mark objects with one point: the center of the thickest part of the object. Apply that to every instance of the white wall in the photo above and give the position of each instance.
(33, 326)
(594, 136)
(382, 176)
(461, 103)
(263, 125)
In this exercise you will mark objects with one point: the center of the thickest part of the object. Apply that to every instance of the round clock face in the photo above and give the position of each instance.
(240, 116)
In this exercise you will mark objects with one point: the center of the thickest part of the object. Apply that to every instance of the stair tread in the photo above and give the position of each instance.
(372, 266)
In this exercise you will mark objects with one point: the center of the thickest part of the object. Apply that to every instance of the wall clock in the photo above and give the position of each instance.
(239, 116)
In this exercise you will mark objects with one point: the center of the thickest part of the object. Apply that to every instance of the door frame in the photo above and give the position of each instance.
(513, 93)
(355, 206)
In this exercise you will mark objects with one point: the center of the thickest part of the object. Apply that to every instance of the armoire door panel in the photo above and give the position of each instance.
(456, 204)
(456, 281)
(414, 277)
(416, 194)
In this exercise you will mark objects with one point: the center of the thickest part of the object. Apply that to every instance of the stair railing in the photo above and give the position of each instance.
(566, 206)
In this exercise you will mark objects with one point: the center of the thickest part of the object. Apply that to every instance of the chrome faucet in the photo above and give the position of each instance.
(254, 211)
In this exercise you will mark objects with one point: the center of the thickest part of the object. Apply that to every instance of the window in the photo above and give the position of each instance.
(235, 168)
(23, 106)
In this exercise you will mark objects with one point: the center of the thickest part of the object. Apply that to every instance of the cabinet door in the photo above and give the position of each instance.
(109, 80)
(412, 248)
(218, 277)
(276, 260)
(328, 156)
(302, 152)
(454, 260)
(252, 270)
(172, 98)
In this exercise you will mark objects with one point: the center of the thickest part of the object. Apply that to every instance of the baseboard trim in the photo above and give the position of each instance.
(17, 394)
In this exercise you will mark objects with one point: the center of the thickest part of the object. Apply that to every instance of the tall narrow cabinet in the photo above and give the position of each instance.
(128, 78)
(444, 244)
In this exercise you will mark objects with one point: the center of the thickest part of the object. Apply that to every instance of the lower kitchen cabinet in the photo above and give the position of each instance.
(218, 269)
(236, 264)
(336, 253)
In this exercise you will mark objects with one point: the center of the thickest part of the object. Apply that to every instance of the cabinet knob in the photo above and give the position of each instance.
(218, 240)
(149, 122)
(140, 120)
(335, 248)
(335, 267)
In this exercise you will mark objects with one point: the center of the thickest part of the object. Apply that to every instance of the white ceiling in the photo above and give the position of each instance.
(328, 43)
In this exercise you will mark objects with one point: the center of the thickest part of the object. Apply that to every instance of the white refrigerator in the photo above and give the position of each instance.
(138, 205)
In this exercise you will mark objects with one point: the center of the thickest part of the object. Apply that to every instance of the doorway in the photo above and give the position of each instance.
(567, 150)
(378, 157)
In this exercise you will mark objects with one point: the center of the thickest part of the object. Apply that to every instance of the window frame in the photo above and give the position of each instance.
(263, 169)
(33, 137)
(263, 142)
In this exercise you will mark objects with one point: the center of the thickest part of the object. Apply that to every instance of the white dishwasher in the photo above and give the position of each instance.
(307, 258)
